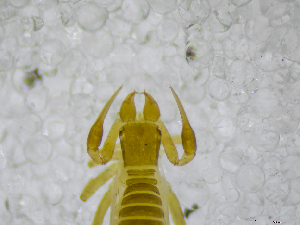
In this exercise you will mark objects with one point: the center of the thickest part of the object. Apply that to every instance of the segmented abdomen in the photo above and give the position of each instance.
(141, 203)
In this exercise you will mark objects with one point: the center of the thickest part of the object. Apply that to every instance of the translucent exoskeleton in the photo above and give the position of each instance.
(139, 193)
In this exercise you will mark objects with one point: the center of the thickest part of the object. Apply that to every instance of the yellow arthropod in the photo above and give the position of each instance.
(139, 194)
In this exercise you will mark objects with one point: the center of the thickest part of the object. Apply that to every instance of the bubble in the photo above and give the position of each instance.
(235, 49)
(263, 102)
(99, 44)
(52, 52)
(212, 175)
(122, 54)
(170, 78)
(48, 70)
(295, 185)
(6, 217)
(292, 93)
(103, 92)
(59, 102)
(26, 127)
(117, 74)
(227, 108)
(118, 27)
(258, 30)
(292, 199)
(37, 99)
(74, 64)
(240, 3)
(91, 17)
(276, 10)
(135, 11)
(105, 3)
(193, 95)
(295, 71)
(232, 196)
(2, 33)
(199, 192)
(38, 23)
(205, 142)
(225, 212)
(219, 89)
(250, 178)
(220, 20)
(63, 168)
(193, 77)
(150, 59)
(223, 129)
(37, 150)
(54, 128)
(238, 71)
(245, 119)
(295, 19)
(6, 60)
(231, 159)
(168, 111)
(81, 85)
(254, 155)
(24, 58)
(285, 40)
(96, 72)
(219, 66)
(199, 53)
(53, 193)
(281, 76)
(162, 6)
(73, 134)
(264, 138)
(239, 96)
(33, 23)
(194, 11)
(13, 102)
(66, 13)
(241, 15)
(167, 31)
(275, 189)
(32, 209)
(290, 167)
(284, 120)
(80, 105)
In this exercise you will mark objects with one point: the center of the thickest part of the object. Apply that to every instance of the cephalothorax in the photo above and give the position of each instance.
(139, 194)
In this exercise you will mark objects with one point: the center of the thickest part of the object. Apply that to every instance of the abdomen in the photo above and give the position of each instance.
(143, 201)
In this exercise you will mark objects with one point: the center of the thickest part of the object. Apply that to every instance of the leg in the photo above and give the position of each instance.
(94, 184)
(117, 156)
(102, 208)
(175, 209)
(176, 139)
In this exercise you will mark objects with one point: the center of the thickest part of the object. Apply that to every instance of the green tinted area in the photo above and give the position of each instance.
(31, 78)
(6, 204)
(187, 212)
